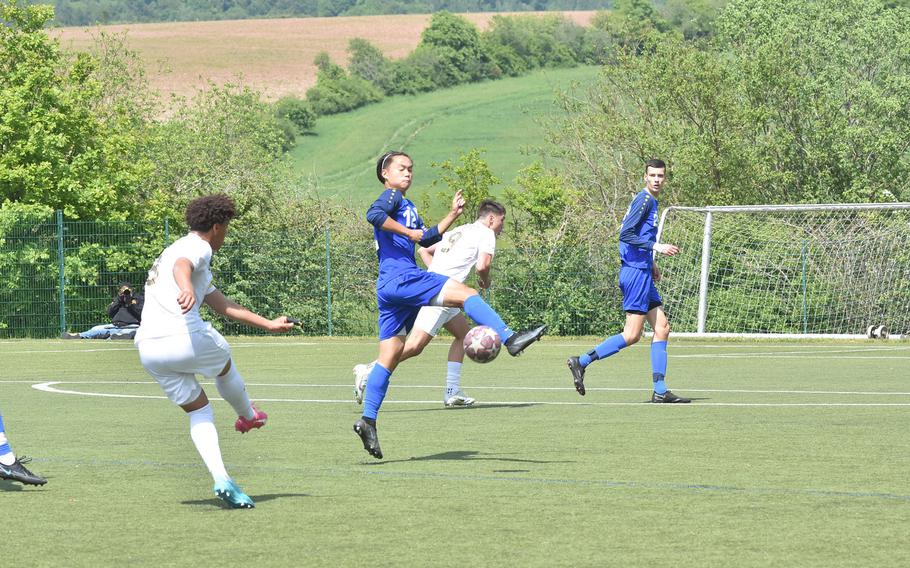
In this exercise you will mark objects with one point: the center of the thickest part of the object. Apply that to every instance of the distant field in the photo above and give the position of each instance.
(501, 116)
(274, 56)
(792, 454)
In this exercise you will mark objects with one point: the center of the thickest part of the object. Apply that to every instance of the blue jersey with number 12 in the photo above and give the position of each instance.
(396, 252)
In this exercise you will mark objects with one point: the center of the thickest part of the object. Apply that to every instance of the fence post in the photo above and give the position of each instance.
(61, 266)
(703, 280)
(328, 276)
(805, 259)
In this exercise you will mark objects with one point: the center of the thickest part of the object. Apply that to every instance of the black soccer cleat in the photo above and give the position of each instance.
(668, 398)
(367, 433)
(578, 374)
(520, 340)
(18, 472)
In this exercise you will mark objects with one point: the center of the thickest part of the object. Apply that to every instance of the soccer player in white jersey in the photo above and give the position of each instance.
(175, 343)
(461, 249)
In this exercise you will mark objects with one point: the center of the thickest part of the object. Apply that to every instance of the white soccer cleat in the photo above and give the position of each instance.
(459, 399)
(361, 372)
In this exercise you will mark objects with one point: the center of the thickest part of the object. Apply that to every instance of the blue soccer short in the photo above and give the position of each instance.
(401, 297)
(639, 295)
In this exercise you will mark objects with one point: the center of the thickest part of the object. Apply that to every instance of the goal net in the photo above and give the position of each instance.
(803, 270)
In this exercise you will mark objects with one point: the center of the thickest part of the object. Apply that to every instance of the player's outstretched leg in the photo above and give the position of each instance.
(515, 341)
(205, 438)
(232, 389)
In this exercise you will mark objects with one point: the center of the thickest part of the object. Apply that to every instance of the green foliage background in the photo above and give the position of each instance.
(766, 101)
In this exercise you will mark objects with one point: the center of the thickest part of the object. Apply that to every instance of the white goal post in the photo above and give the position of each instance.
(788, 271)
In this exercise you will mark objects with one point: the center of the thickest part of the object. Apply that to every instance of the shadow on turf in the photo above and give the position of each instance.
(219, 504)
(9, 486)
(461, 455)
(478, 406)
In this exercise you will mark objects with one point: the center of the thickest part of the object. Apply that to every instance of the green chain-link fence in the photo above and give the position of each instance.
(60, 275)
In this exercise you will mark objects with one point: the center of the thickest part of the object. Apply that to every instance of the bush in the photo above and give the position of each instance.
(337, 91)
(298, 111)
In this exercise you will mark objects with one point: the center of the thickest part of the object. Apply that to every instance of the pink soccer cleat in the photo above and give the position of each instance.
(244, 425)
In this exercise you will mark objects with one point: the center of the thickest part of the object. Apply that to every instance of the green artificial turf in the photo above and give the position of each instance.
(792, 454)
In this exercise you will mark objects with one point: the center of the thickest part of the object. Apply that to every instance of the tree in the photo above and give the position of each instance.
(67, 143)
(473, 177)
(367, 62)
(457, 45)
(791, 101)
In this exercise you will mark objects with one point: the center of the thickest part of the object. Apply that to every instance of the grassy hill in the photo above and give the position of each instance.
(501, 116)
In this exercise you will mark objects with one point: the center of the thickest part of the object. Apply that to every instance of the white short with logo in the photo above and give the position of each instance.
(430, 319)
(175, 360)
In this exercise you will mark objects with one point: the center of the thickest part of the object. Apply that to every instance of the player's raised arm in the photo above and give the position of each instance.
(455, 211)
(231, 309)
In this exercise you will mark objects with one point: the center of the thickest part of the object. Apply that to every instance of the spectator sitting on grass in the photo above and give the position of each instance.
(125, 312)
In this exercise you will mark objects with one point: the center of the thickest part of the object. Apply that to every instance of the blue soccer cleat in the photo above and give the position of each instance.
(230, 493)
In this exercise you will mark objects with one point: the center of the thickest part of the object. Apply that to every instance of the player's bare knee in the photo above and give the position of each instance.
(632, 337)
(662, 331)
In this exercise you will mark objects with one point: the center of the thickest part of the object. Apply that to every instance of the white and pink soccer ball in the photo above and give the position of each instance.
(482, 344)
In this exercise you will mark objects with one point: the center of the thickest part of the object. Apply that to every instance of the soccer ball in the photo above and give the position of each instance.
(482, 344)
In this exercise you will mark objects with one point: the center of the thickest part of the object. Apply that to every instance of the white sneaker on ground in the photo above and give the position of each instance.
(459, 399)
(361, 372)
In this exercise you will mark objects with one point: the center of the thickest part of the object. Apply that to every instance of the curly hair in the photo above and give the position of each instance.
(203, 212)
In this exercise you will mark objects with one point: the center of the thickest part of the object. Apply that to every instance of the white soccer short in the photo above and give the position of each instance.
(431, 318)
(175, 360)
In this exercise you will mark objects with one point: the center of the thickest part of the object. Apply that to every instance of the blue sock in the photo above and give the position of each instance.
(659, 365)
(482, 313)
(377, 386)
(610, 346)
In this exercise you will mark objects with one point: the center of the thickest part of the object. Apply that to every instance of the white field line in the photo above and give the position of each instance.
(50, 387)
(820, 350)
(497, 388)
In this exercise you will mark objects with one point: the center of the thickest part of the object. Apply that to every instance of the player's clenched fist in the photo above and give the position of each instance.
(665, 249)
(281, 324)
(186, 299)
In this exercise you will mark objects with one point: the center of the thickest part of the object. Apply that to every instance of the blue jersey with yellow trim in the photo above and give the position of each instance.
(639, 231)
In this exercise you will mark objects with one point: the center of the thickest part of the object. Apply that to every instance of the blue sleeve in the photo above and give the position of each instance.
(431, 236)
(632, 224)
(386, 204)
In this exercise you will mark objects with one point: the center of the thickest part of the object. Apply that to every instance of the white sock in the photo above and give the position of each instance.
(205, 437)
(233, 390)
(453, 378)
(9, 458)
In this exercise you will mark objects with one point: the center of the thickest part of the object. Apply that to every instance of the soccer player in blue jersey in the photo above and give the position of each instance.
(402, 288)
(641, 301)
(11, 467)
